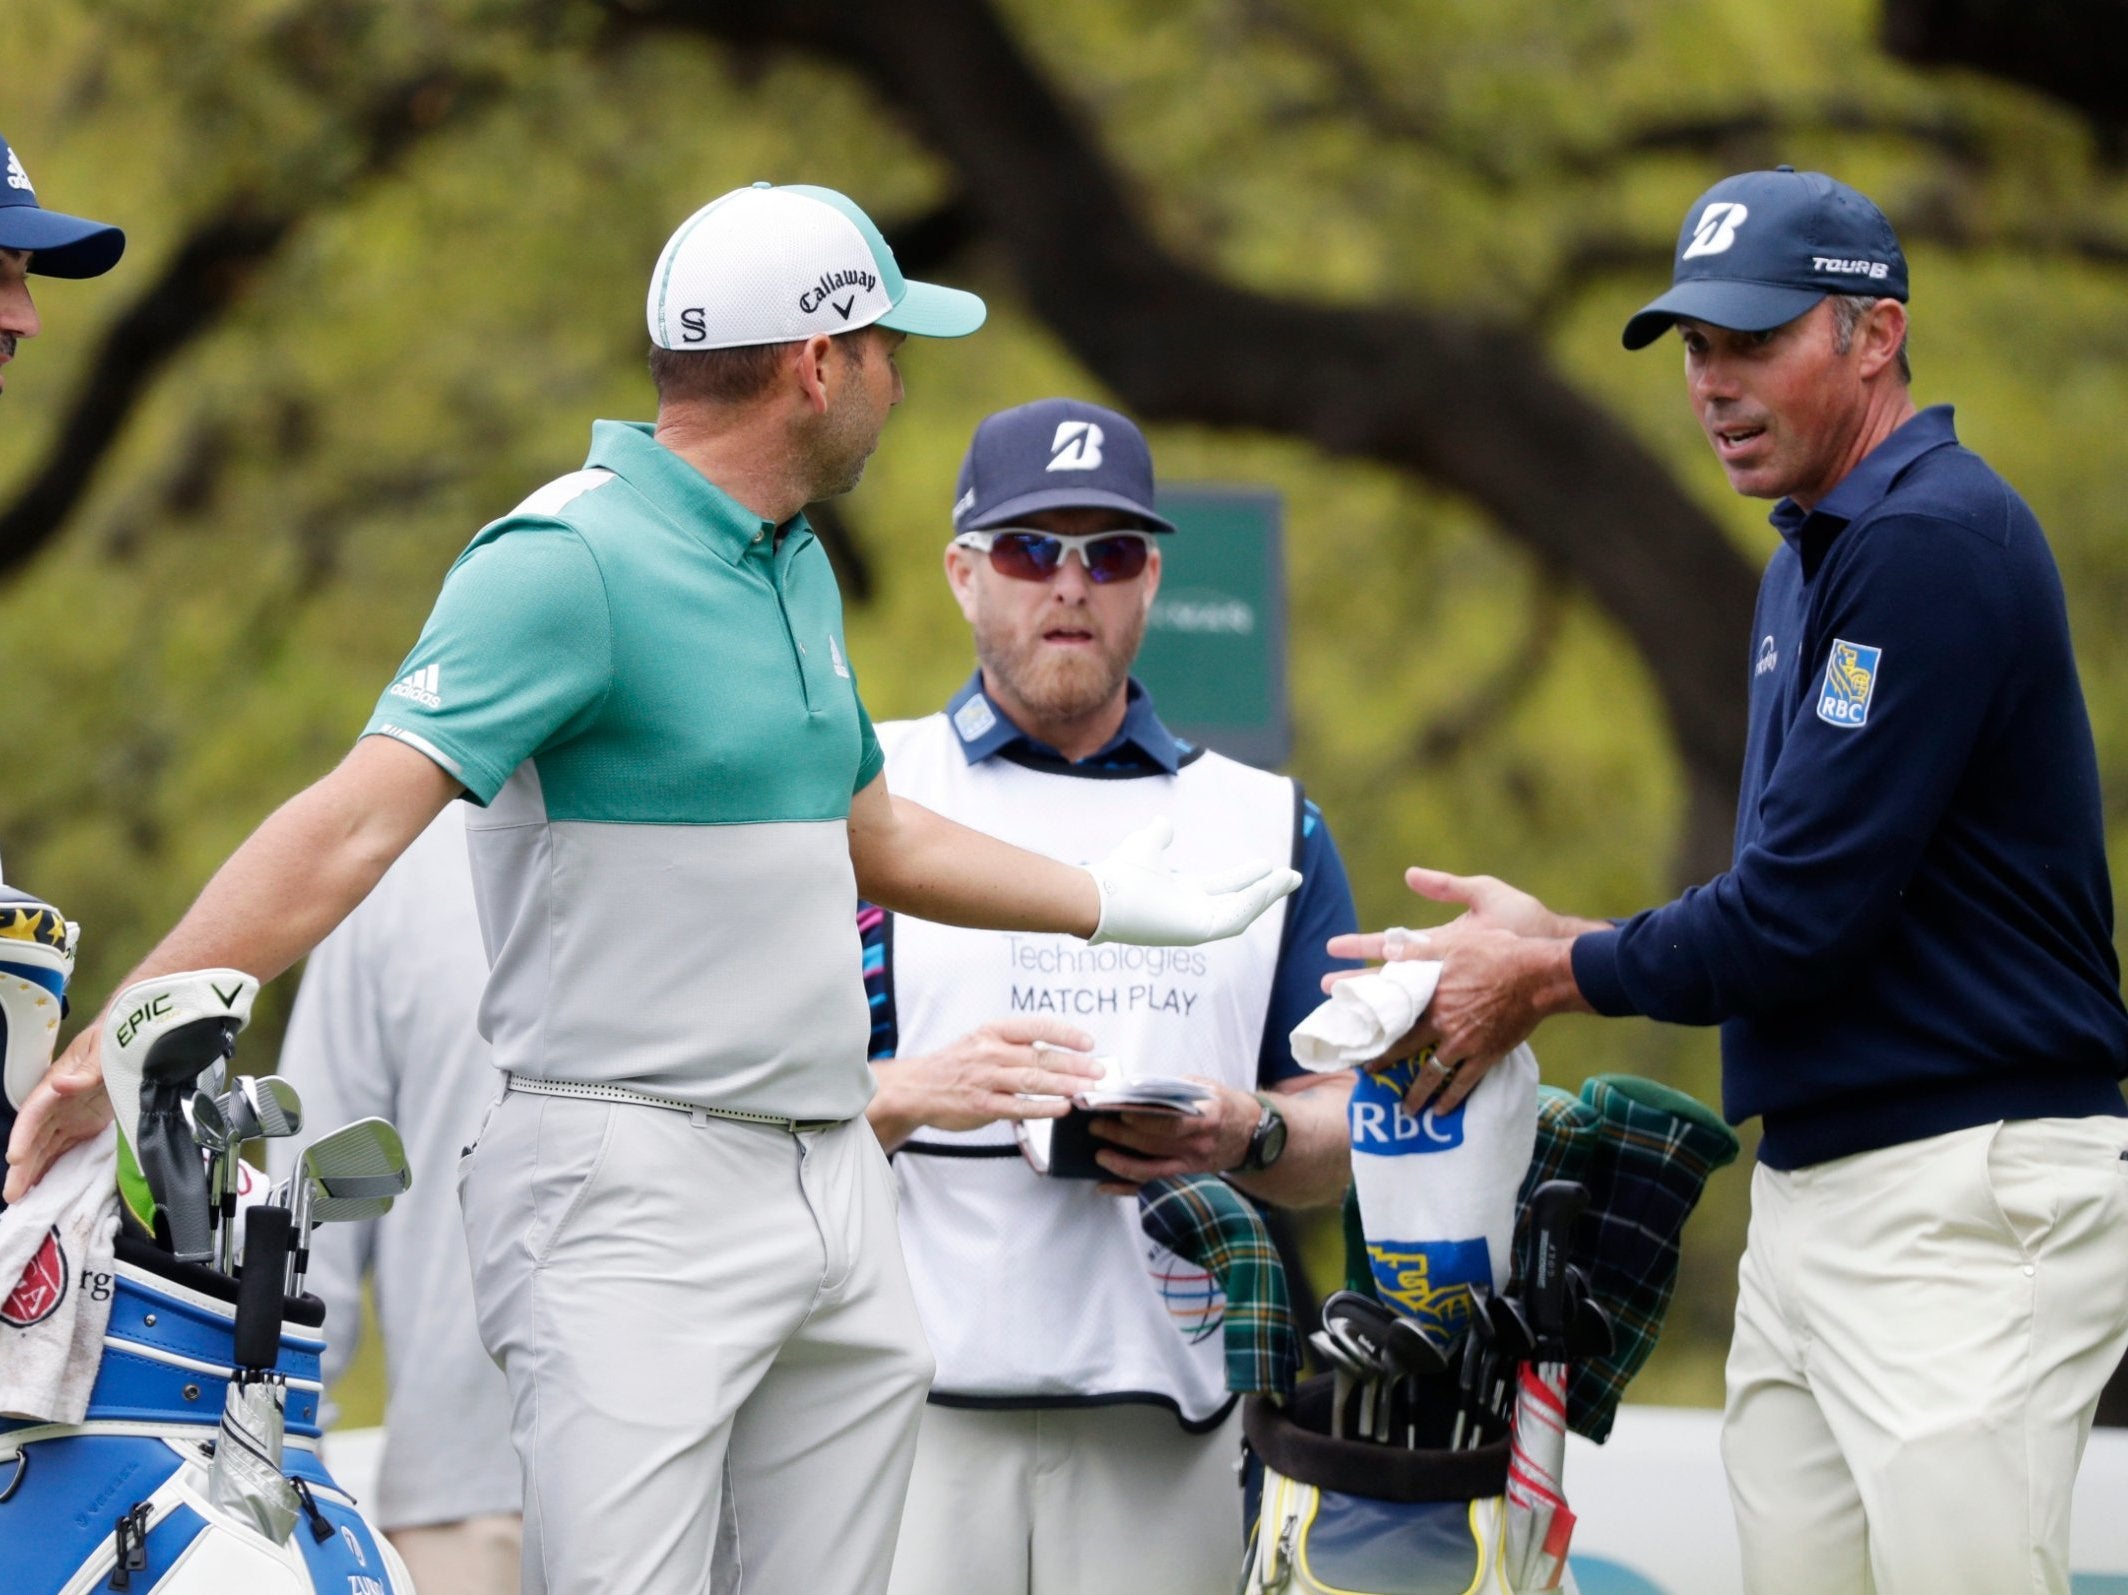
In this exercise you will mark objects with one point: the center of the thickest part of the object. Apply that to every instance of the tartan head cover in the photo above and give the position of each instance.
(1201, 1218)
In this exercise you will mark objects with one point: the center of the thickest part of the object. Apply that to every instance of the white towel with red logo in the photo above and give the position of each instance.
(56, 1265)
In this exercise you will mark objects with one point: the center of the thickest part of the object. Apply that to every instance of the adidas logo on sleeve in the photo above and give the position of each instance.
(423, 686)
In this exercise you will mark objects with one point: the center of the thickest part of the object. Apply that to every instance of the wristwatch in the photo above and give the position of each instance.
(1267, 1142)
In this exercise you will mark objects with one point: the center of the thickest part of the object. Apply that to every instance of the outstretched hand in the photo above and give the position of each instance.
(1145, 903)
(1507, 965)
(68, 1106)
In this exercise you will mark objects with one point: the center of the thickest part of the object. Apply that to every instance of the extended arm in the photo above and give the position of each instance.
(914, 861)
(298, 875)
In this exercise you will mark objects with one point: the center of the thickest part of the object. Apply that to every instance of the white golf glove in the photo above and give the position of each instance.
(1145, 903)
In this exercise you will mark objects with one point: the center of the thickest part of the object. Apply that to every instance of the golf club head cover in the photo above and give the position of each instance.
(1651, 1162)
(37, 945)
(1204, 1220)
(1437, 1191)
(159, 1037)
(1567, 1132)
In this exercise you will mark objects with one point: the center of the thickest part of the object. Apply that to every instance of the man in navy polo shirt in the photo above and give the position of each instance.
(43, 242)
(1911, 956)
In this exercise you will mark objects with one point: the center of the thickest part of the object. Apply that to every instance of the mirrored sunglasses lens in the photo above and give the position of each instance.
(1031, 559)
(1115, 559)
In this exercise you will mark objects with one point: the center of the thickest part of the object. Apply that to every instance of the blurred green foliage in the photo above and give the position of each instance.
(433, 341)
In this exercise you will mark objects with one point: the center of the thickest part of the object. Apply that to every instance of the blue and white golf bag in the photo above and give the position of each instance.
(185, 1477)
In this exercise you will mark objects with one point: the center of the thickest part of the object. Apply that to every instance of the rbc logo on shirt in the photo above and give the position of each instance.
(1850, 679)
(1381, 1126)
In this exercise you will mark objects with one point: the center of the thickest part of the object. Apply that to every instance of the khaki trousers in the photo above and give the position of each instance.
(1114, 1500)
(1921, 1337)
(714, 1359)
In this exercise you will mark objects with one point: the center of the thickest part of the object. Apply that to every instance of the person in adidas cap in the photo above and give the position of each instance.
(1911, 956)
(1081, 1433)
(681, 1229)
(42, 242)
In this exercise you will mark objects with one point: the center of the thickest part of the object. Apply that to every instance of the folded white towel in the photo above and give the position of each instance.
(1363, 1014)
(56, 1266)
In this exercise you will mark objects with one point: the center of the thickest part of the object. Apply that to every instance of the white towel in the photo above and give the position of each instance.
(1436, 1192)
(1363, 1014)
(56, 1266)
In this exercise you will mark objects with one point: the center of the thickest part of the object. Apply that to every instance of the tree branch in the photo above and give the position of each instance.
(205, 278)
(1474, 406)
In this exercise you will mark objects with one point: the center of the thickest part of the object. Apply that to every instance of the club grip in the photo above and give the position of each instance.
(258, 1291)
(1553, 1208)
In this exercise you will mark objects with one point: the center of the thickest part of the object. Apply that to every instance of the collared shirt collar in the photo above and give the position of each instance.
(1141, 740)
(1870, 481)
(631, 451)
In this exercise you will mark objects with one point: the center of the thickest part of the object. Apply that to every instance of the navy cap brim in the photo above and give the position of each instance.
(1720, 302)
(60, 246)
(1065, 498)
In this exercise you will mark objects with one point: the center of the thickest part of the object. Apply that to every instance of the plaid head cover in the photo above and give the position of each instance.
(1203, 1219)
(1651, 1157)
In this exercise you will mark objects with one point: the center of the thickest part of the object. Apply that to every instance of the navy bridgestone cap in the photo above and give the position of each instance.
(62, 246)
(1760, 248)
(1054, 454)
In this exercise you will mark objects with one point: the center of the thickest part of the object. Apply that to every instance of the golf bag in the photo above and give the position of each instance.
(136, 1499)
(1349, 1517)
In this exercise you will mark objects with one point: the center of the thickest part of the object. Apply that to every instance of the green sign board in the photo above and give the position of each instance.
(1215, 646)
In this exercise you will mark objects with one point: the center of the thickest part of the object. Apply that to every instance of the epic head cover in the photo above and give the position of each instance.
(159, 1037)
(36, 961)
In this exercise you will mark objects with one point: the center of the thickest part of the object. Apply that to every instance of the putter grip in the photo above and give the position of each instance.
(1553, 1208)
(258, 1291)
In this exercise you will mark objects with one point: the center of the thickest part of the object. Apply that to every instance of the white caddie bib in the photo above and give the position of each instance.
(1044, 1290)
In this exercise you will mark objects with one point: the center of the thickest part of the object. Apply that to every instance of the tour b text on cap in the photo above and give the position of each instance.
(1760, 248)
(774, 265)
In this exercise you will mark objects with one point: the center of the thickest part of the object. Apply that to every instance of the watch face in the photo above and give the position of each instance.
(1271, 1140)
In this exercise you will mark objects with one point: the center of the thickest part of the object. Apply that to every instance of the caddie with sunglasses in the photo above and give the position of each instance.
(1081, 1436)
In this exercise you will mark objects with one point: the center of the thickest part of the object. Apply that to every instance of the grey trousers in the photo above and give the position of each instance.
(715, 1364)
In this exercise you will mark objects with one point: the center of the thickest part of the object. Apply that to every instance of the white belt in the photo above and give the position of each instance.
(597, 1092)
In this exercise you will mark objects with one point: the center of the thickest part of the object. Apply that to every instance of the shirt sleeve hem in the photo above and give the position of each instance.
(481, 784)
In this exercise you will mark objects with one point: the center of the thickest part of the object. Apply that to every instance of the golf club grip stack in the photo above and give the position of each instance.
(1554, 1208)
(259, 1298)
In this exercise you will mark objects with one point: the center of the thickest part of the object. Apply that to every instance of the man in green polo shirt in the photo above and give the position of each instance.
(682, 1229)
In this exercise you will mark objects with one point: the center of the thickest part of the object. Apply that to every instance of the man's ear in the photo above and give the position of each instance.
(811, 362)
(1883, 331)
(1152, 573)
(960, 577)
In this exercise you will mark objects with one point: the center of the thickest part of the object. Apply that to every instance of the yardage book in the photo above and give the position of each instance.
(1065, 1147)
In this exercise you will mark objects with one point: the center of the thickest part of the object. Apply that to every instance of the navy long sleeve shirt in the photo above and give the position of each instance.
(1915, 935)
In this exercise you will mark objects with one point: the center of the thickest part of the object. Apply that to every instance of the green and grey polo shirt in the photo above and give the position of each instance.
(647, 693)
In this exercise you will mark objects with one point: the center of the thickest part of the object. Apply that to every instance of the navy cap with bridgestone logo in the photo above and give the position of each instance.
(1760, 248)
(59, 246)
(775, 265)
(1054, 454)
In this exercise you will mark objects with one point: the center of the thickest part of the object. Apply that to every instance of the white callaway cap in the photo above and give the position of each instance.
(772, 265)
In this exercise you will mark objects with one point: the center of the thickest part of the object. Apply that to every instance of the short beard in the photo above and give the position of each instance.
(1060, 688)
(842, 442)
